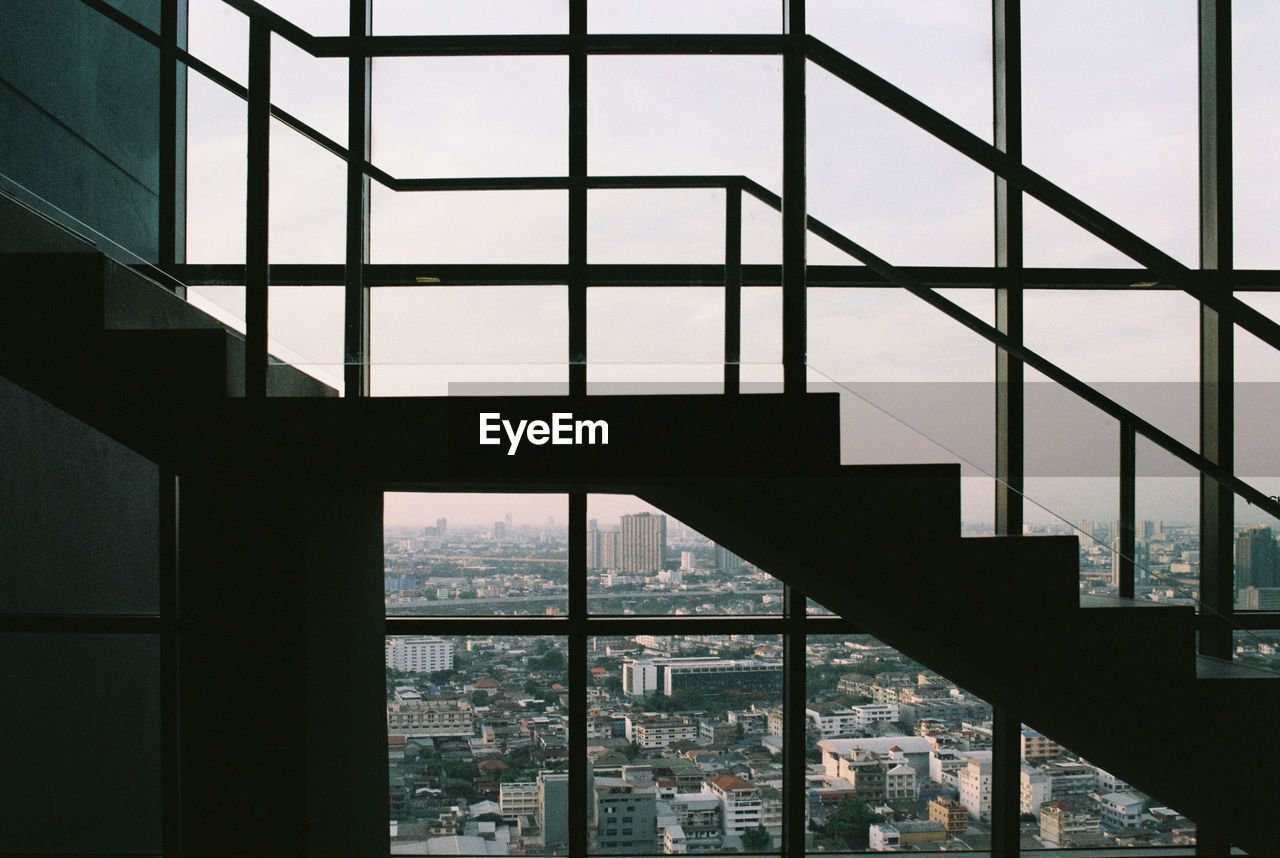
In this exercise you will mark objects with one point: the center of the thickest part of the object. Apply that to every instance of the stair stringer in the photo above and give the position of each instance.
(999, 616)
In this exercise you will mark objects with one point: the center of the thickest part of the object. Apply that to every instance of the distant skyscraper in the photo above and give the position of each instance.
(726, 560)
(508, 520)
(609, 550)
(593, 545)
(553, 808)
(499, 530)
(1257, 560)
(642, 542)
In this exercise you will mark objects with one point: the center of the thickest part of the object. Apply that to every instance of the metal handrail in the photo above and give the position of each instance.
(872, 85)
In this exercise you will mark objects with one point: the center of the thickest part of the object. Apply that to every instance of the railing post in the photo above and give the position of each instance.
(1010, 398)
(733, 288)
(794, 218)
(1217, 370)
(1128, 509)
(357, 335)
(257, 211)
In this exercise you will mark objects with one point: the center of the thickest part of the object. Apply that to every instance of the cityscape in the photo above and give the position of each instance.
(685, 731)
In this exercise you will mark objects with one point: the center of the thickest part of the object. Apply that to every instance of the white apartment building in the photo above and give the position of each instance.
(975, 788)
(655, 733)
(1035, 789)
(419, 654)
(832, 721)
(874, 713)
(639, 678)
(518, 798)
(739, 802)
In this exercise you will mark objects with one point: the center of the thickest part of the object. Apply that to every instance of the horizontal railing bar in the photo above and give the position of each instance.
(551, 44)
(563, 183)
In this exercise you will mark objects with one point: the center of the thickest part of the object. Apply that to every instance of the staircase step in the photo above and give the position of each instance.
(1208, 667)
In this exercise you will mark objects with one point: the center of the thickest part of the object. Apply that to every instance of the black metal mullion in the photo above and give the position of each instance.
(577, 681)
(257, 211)
(733, 289)
(356, 338)
(1009, 375)
(578, 198)
(793, 723)
(1006, 768)
(170, 667)
(794, 212)
(172, 143)
(1217, 374)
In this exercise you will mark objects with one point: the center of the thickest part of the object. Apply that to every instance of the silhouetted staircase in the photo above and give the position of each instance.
(1116, 681)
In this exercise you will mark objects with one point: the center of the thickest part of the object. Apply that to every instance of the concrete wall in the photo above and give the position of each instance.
(79, 104)
(78, 534)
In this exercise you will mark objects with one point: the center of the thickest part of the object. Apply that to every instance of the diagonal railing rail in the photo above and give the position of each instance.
(264, 22)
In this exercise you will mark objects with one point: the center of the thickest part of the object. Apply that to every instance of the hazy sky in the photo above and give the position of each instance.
(1110, 93)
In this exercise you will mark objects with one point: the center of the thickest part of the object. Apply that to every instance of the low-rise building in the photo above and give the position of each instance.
(1062, 820)
(949, 812)
(431, 718)
(518, 798)
(1037, 747)
(874, 713)
(1121, 810)
(625, 817)
(831, 720)
(654, 733)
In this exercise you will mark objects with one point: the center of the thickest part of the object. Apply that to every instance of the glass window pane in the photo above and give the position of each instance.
(937, 50)
(641, 561)
(891, 187)
(476, 17)
(438, 340)
(427, 228)
(674, 16)
(1255, 75)
(1076, 804)
(686, 115)
(890, 746)
(1110, 126)
(217, 144)
(477, 744)
(685, 744)
(470, 116)
(655, 339)
(474, 555)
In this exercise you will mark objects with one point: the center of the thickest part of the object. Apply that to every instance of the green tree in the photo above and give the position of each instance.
(756, 839)
(848, 824)
(480, 697)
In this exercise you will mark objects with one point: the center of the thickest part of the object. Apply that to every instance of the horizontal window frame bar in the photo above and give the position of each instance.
(615, 626)
(401, 275)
